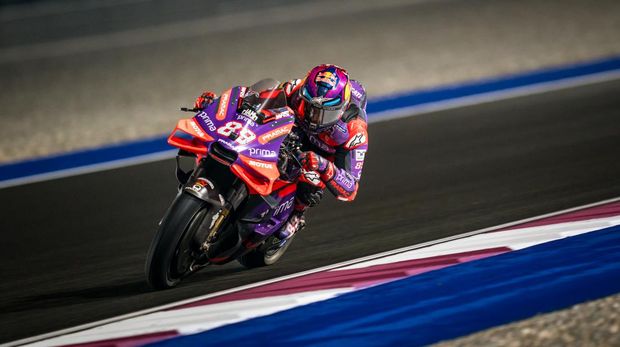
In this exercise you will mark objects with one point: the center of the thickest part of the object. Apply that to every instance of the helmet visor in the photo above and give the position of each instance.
(321, 113)
(319, 116)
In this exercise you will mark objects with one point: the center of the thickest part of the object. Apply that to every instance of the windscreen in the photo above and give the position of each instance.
(264, 95)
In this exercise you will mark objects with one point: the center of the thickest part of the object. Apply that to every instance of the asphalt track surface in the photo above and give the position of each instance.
(73, 249)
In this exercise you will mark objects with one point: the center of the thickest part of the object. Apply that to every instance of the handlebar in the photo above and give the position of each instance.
(185, 109)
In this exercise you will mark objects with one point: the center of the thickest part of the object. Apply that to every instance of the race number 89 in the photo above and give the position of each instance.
(245, 135)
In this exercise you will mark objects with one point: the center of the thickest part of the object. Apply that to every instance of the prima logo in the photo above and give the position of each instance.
(246, 119)
(345, 180)
(284, 206)
(205, 117)
(263, 152)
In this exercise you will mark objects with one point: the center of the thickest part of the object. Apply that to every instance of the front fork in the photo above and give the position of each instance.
(204, 183)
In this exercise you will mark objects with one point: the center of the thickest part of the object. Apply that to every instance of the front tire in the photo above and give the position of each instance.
(170, 253)
(266, 254)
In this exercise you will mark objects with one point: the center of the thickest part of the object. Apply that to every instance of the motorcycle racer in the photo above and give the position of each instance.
(330, 110)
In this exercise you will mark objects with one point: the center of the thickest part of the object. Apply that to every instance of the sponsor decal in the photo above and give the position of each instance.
(260, 164)
(360, 154)
(201, 184)
(312, 177)
(263, 152)
(328, 78)
(283, 114)
(319, 100)
(196, 187)
(356, 140)
(359, 166)
(246, 120)
(337, 187)
(205, 117)
(274, 134)
(345, 180)
(284, 206)
(356, 93)
(250, 114)
(230, 144)
(197, 128)
(223, 106)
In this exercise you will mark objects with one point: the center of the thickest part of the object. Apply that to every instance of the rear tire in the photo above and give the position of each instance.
(170, 250)
(265, 254)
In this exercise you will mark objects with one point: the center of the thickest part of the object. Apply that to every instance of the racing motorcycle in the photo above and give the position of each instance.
(240, 192)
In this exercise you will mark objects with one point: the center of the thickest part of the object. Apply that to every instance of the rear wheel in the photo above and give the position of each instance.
(170, 255)
(266, 254)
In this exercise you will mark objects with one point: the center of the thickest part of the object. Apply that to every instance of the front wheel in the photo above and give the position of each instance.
(266, 254)
(170, 255)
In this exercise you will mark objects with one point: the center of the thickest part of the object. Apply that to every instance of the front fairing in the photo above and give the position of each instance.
(255, 136)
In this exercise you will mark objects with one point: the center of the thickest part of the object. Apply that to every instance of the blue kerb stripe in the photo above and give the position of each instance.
(491, 85)
(158, 144)
(441, 304)
(83, 158)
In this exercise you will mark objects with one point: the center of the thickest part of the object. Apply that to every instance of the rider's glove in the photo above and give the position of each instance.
(314, 162)
(316, 169)
(309, 195)
(204, 99)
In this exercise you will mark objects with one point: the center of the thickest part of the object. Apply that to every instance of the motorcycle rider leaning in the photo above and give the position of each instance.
(330, 113)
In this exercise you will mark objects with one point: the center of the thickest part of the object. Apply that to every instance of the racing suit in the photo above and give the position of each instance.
(344, 145)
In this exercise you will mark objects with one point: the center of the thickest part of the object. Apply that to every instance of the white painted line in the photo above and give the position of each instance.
(195, 319)
(109, 165)
(321, 269)
(515, 239)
